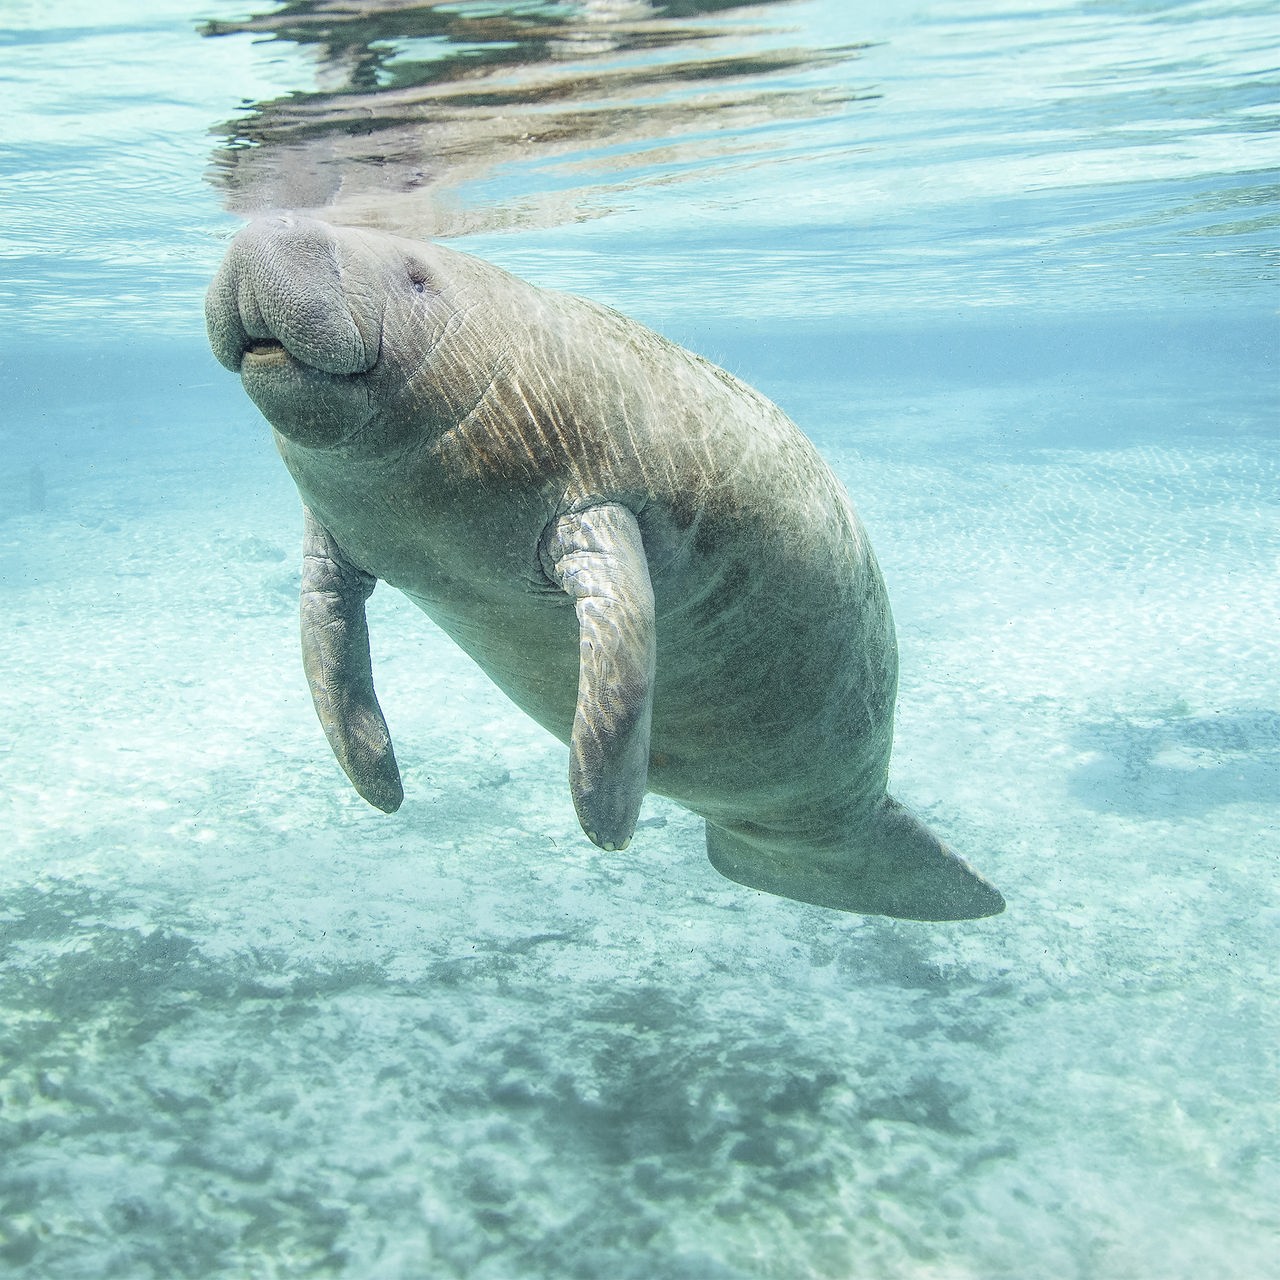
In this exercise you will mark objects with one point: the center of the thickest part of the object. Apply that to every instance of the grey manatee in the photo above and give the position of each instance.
(642, 552)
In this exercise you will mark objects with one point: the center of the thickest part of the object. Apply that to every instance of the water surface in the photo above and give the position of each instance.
(1013, 268)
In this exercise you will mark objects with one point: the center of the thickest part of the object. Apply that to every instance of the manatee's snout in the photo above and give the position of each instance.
(283, 287)
(294, 311)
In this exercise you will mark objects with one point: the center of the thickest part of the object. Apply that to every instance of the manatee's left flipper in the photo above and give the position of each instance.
(335, 656)
(598, 557)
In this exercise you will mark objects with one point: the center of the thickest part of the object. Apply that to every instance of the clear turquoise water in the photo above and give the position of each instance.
(1017, 278)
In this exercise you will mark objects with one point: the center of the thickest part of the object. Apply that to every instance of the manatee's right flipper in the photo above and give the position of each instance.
(335, 656)
(893, 865)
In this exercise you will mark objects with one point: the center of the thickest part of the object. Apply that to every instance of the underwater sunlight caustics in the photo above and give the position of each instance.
(645, 554)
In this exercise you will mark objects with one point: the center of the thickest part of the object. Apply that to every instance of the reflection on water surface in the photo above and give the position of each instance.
(411, 101)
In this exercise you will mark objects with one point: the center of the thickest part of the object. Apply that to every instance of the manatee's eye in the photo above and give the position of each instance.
(417, 278)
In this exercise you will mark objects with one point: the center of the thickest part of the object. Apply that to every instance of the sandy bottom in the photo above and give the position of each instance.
(250, 1027)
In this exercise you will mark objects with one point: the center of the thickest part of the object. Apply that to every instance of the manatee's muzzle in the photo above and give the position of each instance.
(282, 281)
(281, 314)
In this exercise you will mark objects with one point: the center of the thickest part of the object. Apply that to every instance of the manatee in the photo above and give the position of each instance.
(646, 555)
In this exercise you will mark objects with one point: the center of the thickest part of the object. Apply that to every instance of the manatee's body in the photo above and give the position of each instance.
(646, 555)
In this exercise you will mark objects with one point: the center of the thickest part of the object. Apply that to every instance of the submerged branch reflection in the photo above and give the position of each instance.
(412, 101)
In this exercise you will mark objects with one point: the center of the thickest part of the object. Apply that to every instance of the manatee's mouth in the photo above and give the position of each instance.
(263, 351)
(313, 406)
(262, 354)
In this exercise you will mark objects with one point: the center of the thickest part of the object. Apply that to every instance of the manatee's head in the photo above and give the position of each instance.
(310, 315)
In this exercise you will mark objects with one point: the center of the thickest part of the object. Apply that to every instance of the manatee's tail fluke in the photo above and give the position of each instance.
(893, 866)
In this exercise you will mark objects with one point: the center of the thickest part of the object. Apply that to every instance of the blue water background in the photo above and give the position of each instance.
(1020, 286)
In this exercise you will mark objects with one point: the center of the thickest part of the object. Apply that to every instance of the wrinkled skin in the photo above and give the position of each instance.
(646, 555)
